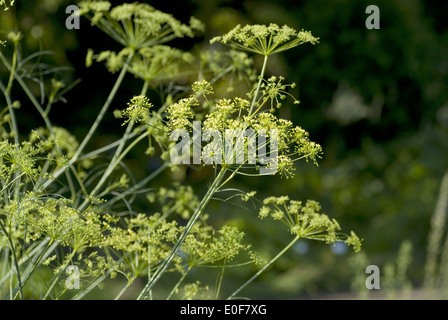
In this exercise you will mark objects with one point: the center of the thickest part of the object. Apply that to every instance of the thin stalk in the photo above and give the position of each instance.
(234, 172)
(114, 164)
(82, 293)
(259, 84)
(118, 155)
(37, 262)
(27, 92)
(105, 148)
(11, 182)
(136, 186)
(43, 171)
(39, 108)
(5, 265)
(435, 237)
(123, 290)
(25, 258)
(97, 121)
(266, 266)
(14, 258)
(145, 88)
(93, 285)
(105, 106)
(8, 95)
(12, 70)
(179, 282)
(221, 276)
(222, 74)
(162, 268)
(13, 119)
(126, 135)
(69, 259)
(149, 265)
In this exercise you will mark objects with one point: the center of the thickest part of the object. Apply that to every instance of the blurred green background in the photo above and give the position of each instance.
(376, 100)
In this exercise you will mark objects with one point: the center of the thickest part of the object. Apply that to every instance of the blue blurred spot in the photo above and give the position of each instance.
(301, 247)
(339, 248)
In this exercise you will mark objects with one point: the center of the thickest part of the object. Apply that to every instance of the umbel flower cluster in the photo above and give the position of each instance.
(232, 116)
(137, 25)
(143, 30)
(68, 205)
(305, 220)
(265, 40)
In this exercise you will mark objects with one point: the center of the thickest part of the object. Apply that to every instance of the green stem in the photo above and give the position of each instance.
(259, 85)
(118, 155)
(112, 165)
(37, 262)
(14, 257)
(137, 186)
(7, 94)
(266, 266)
(12, 70)
(221, 276)
(437, 231)
(123, 290)
(41, 111)
(97, 121)
(179, 282)
(28, 92)
(34, 251)
(162, 268)
(11, 182)
(105, 106)
(14, 126)
(98, 151)
(69, 259)
(82, 293)
(145, 88)
(149, 265)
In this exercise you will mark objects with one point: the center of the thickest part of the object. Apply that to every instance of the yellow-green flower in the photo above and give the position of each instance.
(265, 40)
(136, 25)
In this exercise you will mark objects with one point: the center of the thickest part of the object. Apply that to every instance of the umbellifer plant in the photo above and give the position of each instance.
(61, 206)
